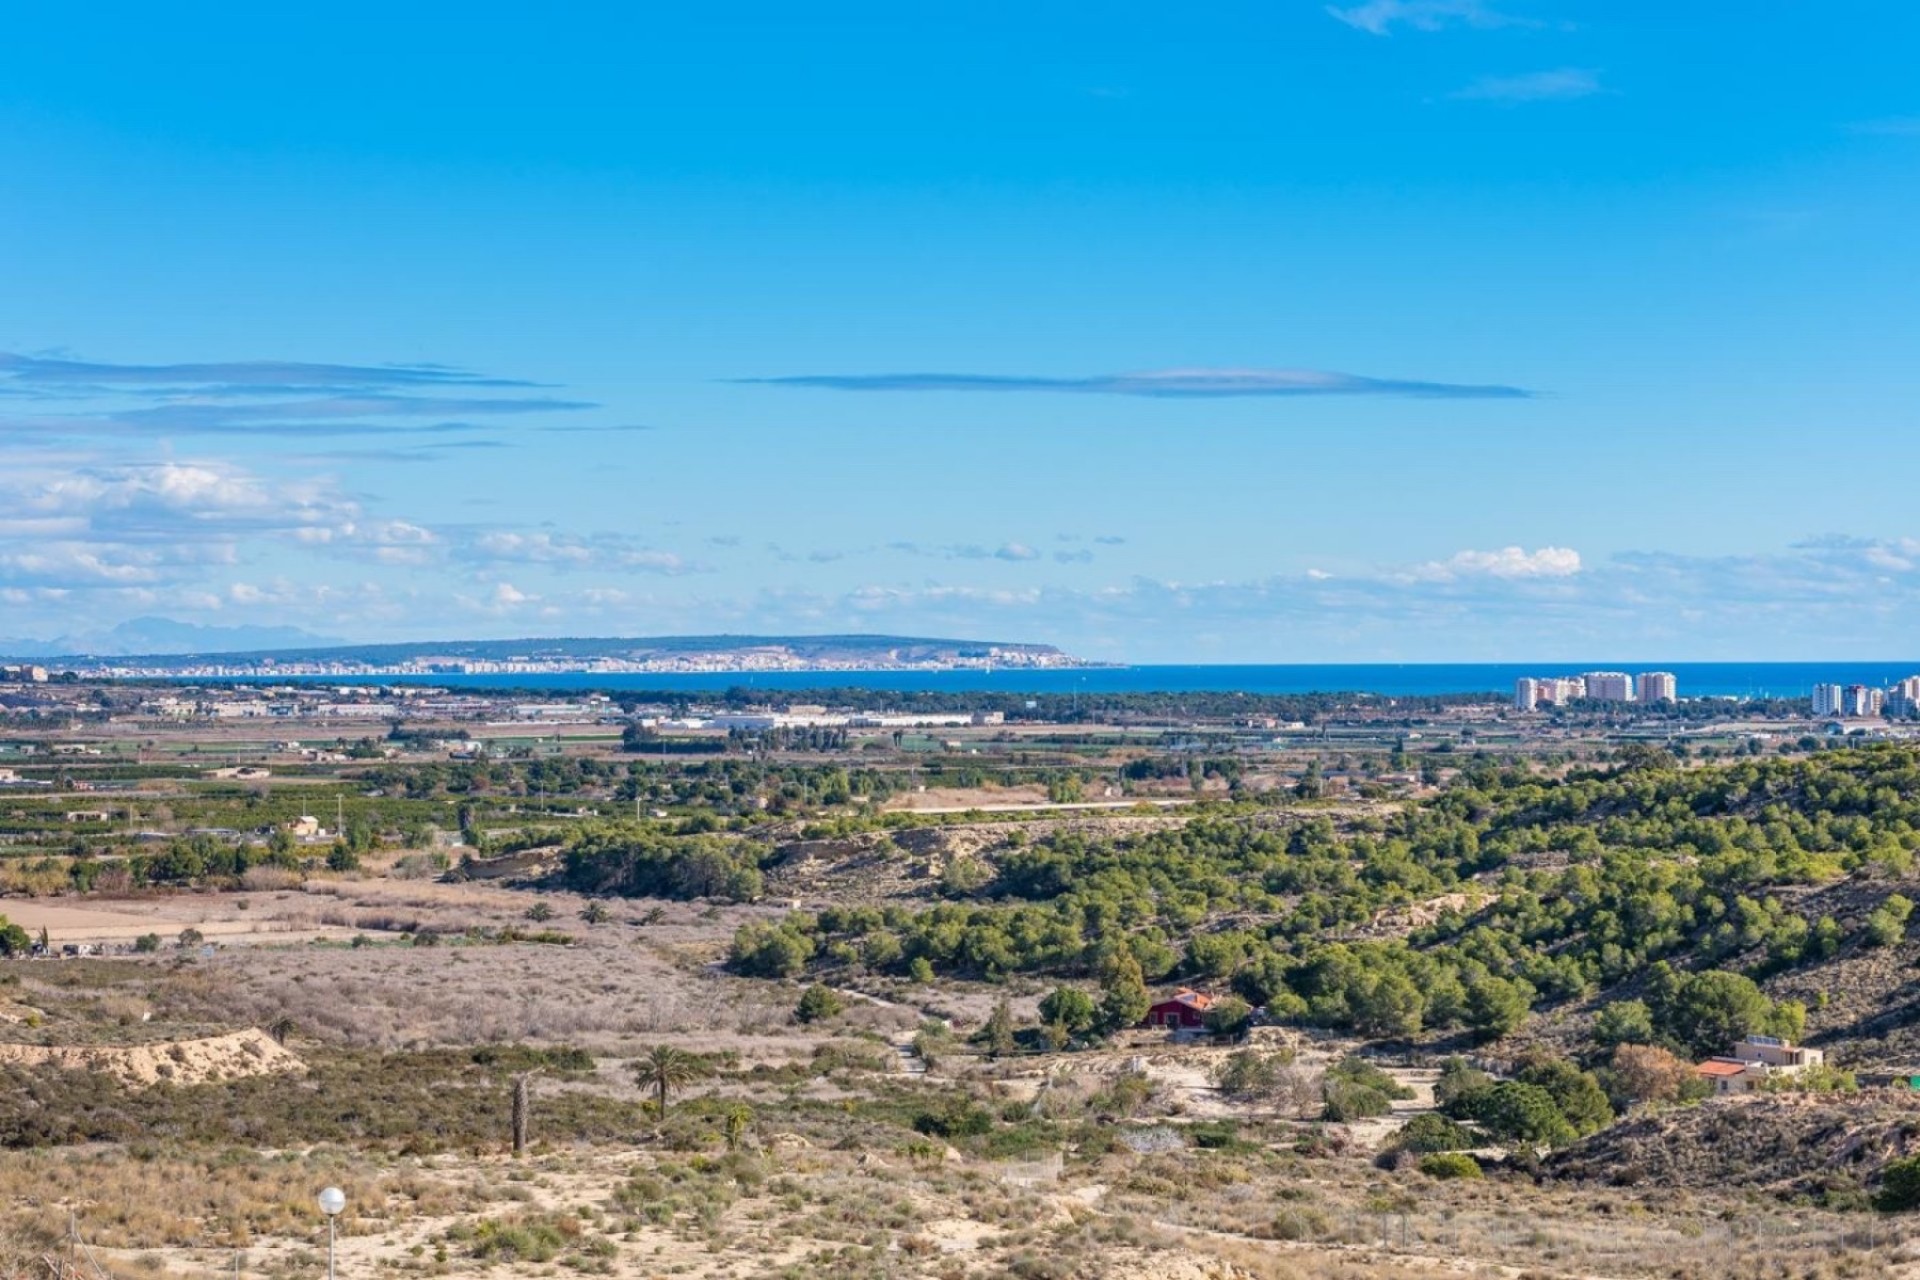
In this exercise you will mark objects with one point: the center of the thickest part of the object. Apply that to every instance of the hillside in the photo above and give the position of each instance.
(1784, 1145)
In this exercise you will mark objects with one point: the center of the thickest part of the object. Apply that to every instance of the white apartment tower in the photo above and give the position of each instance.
(1609, 686)
(1658, 686)
(1526, 693)
(1903, 699)
(1827, 699)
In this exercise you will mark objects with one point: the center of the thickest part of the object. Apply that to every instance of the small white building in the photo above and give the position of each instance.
(1754, 1061)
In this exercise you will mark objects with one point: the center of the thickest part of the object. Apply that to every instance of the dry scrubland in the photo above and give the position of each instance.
(794, 1157)
(368, 1029)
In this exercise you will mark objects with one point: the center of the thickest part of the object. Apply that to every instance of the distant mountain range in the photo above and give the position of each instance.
(141, 636)
(159, 642)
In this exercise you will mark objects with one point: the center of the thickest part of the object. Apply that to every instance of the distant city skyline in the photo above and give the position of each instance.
(1407, 330)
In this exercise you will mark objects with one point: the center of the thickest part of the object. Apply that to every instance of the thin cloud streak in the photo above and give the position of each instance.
(1165, 384)
(1891, 127)
(1380, 17)
(246, 376)
(1565, 84)
(80, 398)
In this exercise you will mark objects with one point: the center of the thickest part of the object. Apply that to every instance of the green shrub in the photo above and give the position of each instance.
(1432, 1132)
(1899, 1186)
(1515, 1113)
(1450, 1164)
(818, 1003)
(955, 1118)
(1347, 1101)
(1355, 1089)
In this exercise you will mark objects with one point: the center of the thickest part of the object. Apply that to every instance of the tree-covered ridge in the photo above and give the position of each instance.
(1550, 889)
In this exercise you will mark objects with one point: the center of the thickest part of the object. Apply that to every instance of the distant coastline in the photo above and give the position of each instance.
(1387, 680)
(584, 656)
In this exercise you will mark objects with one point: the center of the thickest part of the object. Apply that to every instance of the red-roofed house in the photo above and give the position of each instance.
(1753, 1060)
(1186, 1011)
(1730, 1075)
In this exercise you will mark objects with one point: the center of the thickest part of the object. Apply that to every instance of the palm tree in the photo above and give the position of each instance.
(664, 1069)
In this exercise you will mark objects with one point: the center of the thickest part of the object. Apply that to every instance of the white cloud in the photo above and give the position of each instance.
(1564, 84)
(1507, 562)
(1887, 127)
(506, 594)
(1380, 17)
(570, 551)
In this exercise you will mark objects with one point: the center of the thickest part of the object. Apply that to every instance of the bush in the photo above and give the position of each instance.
(1070, 1009)
(1458, 1078)
(1644, 1073)
(818, 1003)
(1248, 1074)
(955, 1118)
(770, 951)
(1899, 1186)
(1887, 924)
(1577, 1093)
(1496, 1006)
(1347, 1101)
(1450, 1164)
(1623, 1022)
(1515, 1113)
(1430, 1132)
(1355, 1089)
(147, 943)
(1229, 1017)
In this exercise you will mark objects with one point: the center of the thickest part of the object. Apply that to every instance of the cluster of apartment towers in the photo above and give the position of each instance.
(1596, 686)
(1902, 699)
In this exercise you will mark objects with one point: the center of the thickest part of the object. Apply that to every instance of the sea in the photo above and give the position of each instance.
(1696, 679)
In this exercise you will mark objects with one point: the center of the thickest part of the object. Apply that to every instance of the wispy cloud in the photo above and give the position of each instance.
(1561, 85)
(281, 376)
(1170, 383)
(1380, 17)
(1888, 127)
(81, 398)
(1013, 552)
(493, 547)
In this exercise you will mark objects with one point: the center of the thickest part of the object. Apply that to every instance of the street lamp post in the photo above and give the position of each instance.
(332, 1201)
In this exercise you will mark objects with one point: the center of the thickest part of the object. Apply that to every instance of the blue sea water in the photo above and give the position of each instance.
(1696, 679)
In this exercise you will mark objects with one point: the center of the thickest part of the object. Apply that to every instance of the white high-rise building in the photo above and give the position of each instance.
(1862, 700)
(1568, 689)
(1609, 686)
(1526, 693)
(1828, 699)
(1658, 686)
(1903, 699)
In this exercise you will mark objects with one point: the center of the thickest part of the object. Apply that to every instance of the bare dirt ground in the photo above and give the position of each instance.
(180, 1062)
(281, 919)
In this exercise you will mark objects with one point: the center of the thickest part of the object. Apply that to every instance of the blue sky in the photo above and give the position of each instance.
(1385, 330)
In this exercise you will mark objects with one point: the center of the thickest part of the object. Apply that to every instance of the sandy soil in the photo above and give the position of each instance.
(228, 1057)
(119, 922)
